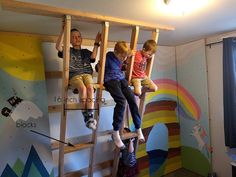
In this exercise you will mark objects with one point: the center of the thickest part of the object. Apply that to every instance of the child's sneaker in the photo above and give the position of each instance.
(116, 138)
(91, 124)
(140, 135)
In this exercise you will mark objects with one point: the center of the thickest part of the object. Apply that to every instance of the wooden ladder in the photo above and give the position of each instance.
(133, 45)
(65, 107)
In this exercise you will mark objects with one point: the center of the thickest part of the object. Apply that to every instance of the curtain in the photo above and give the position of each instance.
(229, 89)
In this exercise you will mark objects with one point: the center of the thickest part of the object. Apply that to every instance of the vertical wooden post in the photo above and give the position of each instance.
(133, 46)
(103, 49)
(66, 59)
(115, 162)
(155, 34)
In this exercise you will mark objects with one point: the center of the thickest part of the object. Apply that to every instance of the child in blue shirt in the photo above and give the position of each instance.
(116, 84)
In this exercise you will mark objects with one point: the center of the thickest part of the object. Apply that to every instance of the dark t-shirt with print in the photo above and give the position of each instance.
(80, 61)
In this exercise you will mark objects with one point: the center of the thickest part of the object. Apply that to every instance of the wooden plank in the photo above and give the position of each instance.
(82, 139)
(45, 10)
(128, 135)
(77, 147)
(54, 108)
(66, 59)
(57, 108)
(133, 46)
(103, 49)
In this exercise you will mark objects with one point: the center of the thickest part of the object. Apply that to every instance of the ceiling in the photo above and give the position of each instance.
(218, 16)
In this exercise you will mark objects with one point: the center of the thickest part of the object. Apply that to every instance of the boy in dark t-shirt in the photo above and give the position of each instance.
(80, 71)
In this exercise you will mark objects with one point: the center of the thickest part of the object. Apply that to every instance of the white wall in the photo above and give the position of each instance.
(220, 160)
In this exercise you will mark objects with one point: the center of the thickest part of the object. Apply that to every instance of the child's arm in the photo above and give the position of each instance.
(96, 45)
(59, 46)
(131, 146)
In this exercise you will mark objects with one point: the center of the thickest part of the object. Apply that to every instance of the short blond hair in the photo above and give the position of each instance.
(121, 47)
(150, 45)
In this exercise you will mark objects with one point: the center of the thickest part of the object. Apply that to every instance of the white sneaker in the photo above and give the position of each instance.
(116, 138)
(140, 135)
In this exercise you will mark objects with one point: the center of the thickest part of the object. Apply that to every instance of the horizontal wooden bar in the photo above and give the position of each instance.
(81, 139)
(77, 106)
(128, 135)
(77, 147)
(45, 10)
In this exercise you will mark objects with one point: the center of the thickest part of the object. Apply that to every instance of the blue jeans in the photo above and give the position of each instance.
(120, 92)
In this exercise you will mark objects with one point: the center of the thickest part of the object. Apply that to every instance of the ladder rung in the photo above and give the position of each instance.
(74, 106)
(77, 147)
(81, 139)
(129, 135)
(57, 108)
(54, 108)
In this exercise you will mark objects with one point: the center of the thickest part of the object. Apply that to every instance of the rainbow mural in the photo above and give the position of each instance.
(169, 88)
(162, 152)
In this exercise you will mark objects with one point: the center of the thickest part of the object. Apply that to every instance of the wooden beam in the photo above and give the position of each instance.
(66, 60)
(115, 162)
(82, 139)
(73, 106)
(77, 147)
(133, 46)
(45, 10)
(103, 49)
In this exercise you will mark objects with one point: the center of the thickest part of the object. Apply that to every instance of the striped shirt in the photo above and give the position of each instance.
(80, 61)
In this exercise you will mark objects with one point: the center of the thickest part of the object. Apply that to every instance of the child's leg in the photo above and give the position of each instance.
(149, 84)
(90, 121)
(133, 108)
(77, 82)
(88, 82)
(137, 86)
(114, 88)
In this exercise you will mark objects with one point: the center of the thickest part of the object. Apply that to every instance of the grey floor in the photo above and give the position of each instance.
(182, 173)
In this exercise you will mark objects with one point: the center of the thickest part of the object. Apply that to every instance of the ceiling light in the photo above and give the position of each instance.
(180, 7)
(166, 2)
